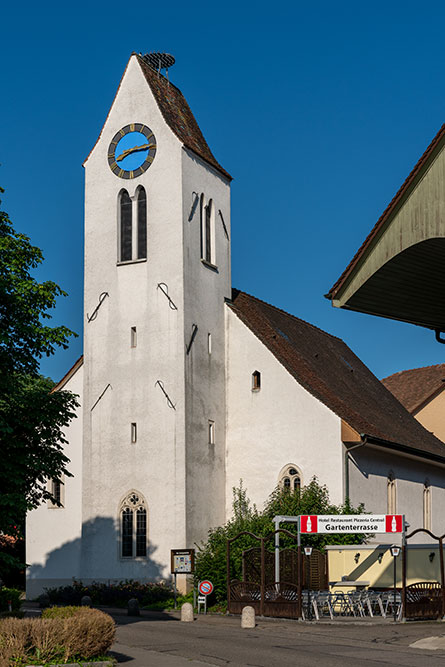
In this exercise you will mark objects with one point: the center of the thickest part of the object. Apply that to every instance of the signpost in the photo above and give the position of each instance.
(205, 588)
(394, 553)
(182, 562)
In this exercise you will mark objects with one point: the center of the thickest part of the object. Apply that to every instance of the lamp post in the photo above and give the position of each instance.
(308, 552)
(394, 553)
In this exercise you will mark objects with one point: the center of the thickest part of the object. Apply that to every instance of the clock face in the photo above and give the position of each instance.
(132, 150)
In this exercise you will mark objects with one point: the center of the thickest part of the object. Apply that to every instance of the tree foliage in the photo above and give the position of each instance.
(32, 419)
(211, 557)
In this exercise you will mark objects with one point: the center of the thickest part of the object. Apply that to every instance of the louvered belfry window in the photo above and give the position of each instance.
(134, 526)
(142, 223)
(126, 227)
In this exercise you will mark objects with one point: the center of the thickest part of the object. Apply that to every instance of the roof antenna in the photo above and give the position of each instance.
(159, 61)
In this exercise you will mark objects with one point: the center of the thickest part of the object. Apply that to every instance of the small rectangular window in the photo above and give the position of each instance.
(134, 337)
(211, 432)
(209, 343)
(56, 487)
(134, 432)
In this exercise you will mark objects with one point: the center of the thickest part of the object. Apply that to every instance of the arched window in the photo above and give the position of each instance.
(391, 494)
(427, 515)
(142, 222)
(256, 381)
(133, 526)
(126, 226)
(290, 478)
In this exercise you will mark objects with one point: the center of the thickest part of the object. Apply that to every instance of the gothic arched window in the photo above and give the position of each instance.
(133, 526)
(142, 222)
(391, 494)
(126, 226)
(290, 478)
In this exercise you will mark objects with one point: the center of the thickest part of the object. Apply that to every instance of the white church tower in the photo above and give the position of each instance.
(157, 272)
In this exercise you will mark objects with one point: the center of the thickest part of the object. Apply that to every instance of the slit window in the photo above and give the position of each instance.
(427, 515)
(256, 381)
(209, 343)
(391, 494)
(133, 337)
(134, 432)
(57, 489)
(211, 432)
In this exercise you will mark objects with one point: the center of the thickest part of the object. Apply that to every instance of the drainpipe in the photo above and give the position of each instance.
(364, 441)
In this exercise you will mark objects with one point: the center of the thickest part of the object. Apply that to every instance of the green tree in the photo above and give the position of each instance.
(211, 557)
(32, 419)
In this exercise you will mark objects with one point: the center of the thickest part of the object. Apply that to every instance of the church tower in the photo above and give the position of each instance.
(157, 271)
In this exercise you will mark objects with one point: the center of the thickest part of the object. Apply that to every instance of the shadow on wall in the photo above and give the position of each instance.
(94, 557)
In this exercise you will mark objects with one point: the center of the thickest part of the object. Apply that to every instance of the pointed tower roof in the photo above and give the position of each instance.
(176, 113)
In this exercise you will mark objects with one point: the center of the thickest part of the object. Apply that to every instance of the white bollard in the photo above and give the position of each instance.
(248, 617)
(187, 612)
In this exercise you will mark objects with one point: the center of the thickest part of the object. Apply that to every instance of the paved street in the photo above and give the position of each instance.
(161, 640)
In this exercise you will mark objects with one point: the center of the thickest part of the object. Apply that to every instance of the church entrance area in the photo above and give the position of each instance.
(273, 578)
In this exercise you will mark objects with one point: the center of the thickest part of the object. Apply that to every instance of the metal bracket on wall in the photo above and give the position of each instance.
(164, 289)
(192, 337)
(94, 313)
(169, 402)
(194, 205)
(438, 338)
(224, 224)
(94, 405)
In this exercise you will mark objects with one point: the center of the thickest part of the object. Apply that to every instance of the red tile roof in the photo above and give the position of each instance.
(326, 367)
(404, 189)
(414, 387)
(178, 116)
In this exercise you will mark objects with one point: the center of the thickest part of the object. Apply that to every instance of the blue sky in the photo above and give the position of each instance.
(319, 111)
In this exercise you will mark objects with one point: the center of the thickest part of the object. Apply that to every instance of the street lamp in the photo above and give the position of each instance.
(308, 552)
(394, 553)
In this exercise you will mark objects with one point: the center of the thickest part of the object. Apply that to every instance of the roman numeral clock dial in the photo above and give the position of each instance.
(132, 150)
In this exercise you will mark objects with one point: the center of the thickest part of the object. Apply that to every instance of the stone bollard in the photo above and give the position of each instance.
(187, 612)
(43, 600)
(86, 601)
(133, 607)
(248, 617)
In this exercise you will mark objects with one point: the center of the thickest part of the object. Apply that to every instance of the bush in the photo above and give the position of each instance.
(60, 612)
(12, 595)
(85, 634)
(111, 595)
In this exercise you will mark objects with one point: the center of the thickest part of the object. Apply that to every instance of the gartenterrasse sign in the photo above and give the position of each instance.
(354, 523)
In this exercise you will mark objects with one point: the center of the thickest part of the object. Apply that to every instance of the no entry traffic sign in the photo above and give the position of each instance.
(205, 587)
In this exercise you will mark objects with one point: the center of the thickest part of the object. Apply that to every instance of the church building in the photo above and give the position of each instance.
(187, 385)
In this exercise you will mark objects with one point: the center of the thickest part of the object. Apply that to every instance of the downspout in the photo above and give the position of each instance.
(364, 441)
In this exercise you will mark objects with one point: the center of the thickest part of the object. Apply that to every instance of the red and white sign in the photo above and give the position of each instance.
(205, 587)
(353, 523)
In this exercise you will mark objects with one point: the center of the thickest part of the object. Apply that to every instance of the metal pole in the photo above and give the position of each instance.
(442, 574)
(394, 593)
(404, 569)
(263, 578)
(299, 570)
(228, 575)
(277, 550)
(175, 590)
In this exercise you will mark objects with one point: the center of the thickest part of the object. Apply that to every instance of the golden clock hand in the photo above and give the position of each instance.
(135, 149)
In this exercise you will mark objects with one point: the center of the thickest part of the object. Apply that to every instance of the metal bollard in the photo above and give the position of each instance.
(133, 607)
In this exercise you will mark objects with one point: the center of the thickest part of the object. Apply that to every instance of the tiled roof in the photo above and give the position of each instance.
(330, 371)
(177, 114)
(415, 386)
(388, 211)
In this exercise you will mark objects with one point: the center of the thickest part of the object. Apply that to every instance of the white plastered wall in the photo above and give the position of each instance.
(280, 424)
(52, 533)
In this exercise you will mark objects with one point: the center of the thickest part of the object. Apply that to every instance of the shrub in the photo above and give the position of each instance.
(60, 612)
(12, 595)
(83, 634)
(112, 595)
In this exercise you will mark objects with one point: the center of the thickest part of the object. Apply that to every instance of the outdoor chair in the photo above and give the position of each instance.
(390, 601)
(321, 604)
(375, 604)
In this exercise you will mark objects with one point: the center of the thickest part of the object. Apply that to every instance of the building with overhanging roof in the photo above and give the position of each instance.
(187, 386)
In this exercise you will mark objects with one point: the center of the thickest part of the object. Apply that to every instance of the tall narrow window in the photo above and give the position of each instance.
(391, 494)
(209, 343)
(126, 226)
(134, 337)
(208, 232)
(133, 526)
(427, 514)
(256, 381)
(56, 487)
(290, 479)
(202, 216)
(142, 223)
(211, 432)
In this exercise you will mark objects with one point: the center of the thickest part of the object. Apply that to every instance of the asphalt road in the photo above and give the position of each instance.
(161, 640)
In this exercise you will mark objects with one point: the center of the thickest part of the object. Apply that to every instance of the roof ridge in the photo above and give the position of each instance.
(405, 185)
(281, 310)
(410, 370)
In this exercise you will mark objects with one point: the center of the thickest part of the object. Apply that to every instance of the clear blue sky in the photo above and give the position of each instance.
(319, 110)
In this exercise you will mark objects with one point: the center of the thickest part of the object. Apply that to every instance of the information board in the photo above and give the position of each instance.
(182, 561)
